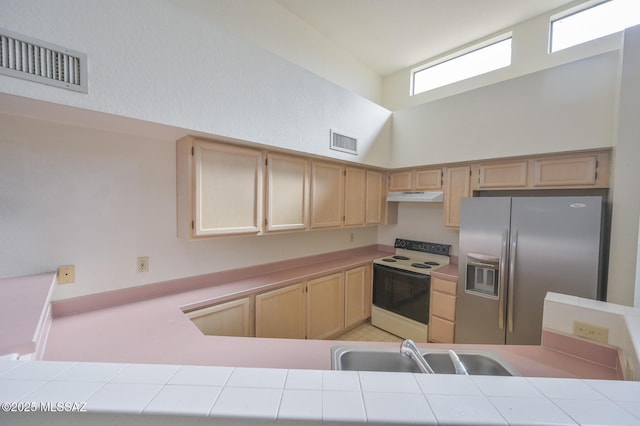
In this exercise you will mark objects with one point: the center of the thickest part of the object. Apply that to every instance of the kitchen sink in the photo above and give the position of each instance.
(476, 362)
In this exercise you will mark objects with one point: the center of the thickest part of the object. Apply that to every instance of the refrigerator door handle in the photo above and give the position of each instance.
(502, 280)
(512, 272)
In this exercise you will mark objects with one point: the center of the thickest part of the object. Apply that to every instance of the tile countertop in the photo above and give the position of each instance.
(143, 394)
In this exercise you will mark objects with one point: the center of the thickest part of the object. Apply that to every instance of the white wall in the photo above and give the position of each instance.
(166, 62)
(421, 222)
(99, 199)
(267, 24)
(623, 268)
(569, 107)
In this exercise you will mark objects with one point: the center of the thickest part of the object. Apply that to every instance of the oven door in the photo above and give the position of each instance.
(402, 292)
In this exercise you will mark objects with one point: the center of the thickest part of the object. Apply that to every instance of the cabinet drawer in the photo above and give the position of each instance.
(441, 330)
(443, 286)
(443, 305)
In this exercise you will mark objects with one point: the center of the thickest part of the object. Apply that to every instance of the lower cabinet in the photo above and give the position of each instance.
(319, 308)
(325, 306)
(281, 313)
(357, 295)
(226, 319)
(442, 310)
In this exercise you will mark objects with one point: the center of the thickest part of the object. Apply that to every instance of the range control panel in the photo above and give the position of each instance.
(442, 249)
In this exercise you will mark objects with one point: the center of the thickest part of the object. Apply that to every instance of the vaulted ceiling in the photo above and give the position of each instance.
(389, 35)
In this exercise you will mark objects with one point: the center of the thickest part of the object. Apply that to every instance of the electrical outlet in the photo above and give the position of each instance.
(591, 332)
(352, 237)
(67, 274)
(143, 264)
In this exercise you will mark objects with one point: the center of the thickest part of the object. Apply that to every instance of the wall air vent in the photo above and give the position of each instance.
(340, 142)
(35, 60)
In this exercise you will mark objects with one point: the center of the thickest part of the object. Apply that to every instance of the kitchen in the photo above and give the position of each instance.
(110, 158)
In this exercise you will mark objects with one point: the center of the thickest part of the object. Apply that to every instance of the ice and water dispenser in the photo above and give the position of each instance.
(482, 275)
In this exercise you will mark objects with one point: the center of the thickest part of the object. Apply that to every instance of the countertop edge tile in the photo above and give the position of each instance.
(346, 405)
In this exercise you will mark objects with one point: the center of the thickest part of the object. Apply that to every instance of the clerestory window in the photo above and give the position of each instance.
(476, 60)
(592, 22)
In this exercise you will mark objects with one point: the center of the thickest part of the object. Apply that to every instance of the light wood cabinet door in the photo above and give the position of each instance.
(287, 194)
(457, 186)
(281, 313)
(354, 196)
(428, 180)
(327, 195)
(325, 306)
(416, 180)
(357, 295)
(374, 198)
(441, 330)
(502, 175)
(228, 189)
(226, 319)
(401, 181)
(565, 171)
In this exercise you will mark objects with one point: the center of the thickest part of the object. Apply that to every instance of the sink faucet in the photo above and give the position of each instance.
(457, 364)
(409, 349)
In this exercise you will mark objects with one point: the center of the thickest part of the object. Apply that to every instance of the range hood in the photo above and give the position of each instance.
(417, 196)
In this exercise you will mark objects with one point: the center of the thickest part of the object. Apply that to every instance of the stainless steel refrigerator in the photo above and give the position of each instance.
(513, 250)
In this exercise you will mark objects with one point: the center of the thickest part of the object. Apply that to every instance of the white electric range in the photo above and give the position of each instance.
(401, 287)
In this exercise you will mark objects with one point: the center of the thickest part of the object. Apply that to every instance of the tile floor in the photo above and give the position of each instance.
(369, 333)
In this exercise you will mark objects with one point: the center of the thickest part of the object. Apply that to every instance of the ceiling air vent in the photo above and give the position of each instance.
(30, 59)
(340, 142)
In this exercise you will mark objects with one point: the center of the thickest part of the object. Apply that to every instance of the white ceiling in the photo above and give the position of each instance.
(389, 35)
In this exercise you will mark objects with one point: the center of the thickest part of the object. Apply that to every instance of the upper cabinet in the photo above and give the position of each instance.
(456, 187)
(375, 197)
(345, 196)
(327, 194)
(400, 181)
(428, 180)
(567, 171)
(512, 174)
(226, 189)
(355, 185)
(416, 180)
(287, 193)
(219, 189)
(581, 170)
